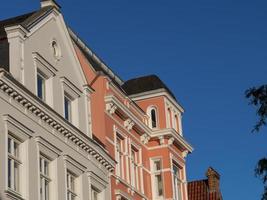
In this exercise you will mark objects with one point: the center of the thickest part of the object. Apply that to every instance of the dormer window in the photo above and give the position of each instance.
(153, 121)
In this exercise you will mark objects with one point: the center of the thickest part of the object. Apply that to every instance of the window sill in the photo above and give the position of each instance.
(13, 194)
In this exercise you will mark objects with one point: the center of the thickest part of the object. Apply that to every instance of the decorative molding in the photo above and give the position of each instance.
(111, 108)
(145, 138)
(171, 140)
(43, 65)
(161, 140)
(70, 88)
(128, 124)
(16, 128)
(17, 92)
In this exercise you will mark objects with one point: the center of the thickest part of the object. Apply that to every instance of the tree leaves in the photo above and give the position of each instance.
(258, 98)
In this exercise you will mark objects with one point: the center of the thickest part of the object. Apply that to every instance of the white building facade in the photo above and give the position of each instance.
(46, 146)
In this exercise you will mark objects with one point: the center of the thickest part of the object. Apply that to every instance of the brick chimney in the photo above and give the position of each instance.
(213, 180)
(45, 3)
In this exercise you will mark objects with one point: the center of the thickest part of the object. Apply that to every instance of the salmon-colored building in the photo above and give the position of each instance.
(139, 122)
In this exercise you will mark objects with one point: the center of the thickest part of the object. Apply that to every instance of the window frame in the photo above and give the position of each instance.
(13, 173)
(71, 185)
(157, 172)
(177, 182)
(153, 124)
(44, 178)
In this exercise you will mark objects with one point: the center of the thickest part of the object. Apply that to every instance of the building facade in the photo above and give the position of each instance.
(72, 129)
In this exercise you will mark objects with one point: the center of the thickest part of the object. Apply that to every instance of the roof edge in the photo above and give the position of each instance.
(89, 52)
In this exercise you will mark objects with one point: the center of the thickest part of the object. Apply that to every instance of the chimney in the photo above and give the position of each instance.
(213, 180)
(46, 3)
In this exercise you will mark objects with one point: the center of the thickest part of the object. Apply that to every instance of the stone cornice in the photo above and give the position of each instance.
(112, 100)
(174, 137)
(31, 103)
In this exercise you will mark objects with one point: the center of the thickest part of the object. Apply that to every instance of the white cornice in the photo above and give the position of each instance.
(25, 98)
(177, 137)
(125, 109)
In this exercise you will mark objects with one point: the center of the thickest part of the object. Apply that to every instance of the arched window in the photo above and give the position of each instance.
(152, 112)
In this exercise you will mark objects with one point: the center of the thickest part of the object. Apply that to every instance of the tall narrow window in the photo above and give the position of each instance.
(134, 168)
(176, 182)
(41, 86)
(153, 122)
(158, 182)
(119, 156)
(13, 164)
(70, 186)
(67, 108)
(44, 178)
(94, 194)
(177, 123)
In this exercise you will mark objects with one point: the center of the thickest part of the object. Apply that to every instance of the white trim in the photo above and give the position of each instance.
(17, 129)
(43, 65)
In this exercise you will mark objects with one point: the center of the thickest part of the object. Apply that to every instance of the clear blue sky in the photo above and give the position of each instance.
(208, 52)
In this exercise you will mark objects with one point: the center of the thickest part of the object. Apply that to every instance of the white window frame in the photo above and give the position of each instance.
(50, 153)
(20, 133)
(97, 184)
(71, 186)
(149, 113)
(46, 71)
(14, 160)
(120, 154)
(73, 93)
(155, 173)
(44, 177)
(177, 182)
(76, 170)
(135, 161)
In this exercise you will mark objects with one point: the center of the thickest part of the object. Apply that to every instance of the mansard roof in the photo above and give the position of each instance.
(145, 84)
(26, 20)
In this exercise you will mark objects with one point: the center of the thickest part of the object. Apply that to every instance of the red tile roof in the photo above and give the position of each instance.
(199, 190)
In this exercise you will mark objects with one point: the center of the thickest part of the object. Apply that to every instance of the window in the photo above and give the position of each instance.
(152, 112)
(119, 156)
(41, 86)
(176, 182)
(13, 164)
(176, 123)
(158, 182)
(44, 178)
(134, 168)
(67, 108)
(70, 186)
(95, 194)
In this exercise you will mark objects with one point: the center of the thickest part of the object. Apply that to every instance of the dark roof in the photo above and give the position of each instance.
(26, 20)
(199, 190)
(145, 84)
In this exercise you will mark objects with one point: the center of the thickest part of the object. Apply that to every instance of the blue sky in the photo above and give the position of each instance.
(207, 52)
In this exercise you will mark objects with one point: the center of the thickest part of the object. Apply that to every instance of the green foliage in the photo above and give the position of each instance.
(258, 98)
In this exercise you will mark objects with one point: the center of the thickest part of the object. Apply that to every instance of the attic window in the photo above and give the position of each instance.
(56, 50)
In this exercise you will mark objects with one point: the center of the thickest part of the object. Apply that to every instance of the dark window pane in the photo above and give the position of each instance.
(67, 107)
(153, 118)
(9, 173)
(40, 87)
